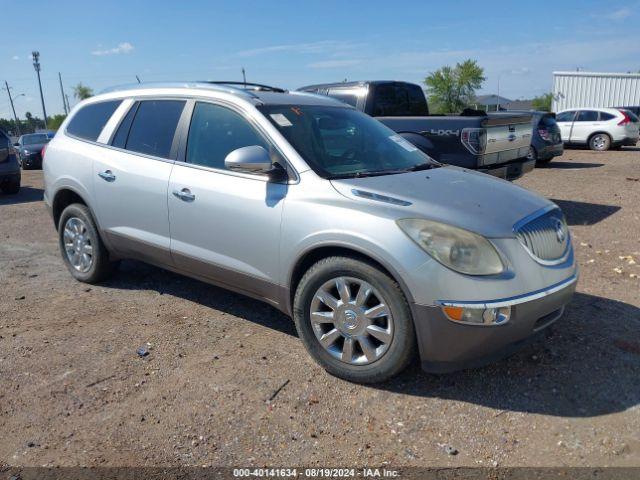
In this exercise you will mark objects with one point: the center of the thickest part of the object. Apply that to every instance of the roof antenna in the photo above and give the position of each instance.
(138, 78)
(244, 78)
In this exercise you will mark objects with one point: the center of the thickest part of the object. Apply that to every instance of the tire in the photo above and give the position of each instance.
(11, 187)
(387, 358)
(533, 154)
(600, 142)
(77, 219)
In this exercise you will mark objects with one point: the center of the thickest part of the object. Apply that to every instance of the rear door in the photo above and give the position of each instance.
(565, 122)
(131, 180)
(585, 123)
(225, 225)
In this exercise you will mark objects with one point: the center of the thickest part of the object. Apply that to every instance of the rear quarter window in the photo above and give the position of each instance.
(606, 116)
(91, 119)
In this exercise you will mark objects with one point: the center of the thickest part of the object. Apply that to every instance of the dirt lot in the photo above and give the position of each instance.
(74, 392)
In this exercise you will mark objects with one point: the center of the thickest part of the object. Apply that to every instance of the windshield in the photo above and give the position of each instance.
(340, 142)
(35, 139)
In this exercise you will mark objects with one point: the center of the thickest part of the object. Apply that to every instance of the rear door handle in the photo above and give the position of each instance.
(185, 195)
(107, 175)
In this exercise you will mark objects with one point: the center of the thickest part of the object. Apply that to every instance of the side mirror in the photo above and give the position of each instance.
(16, 144)
(253, 159)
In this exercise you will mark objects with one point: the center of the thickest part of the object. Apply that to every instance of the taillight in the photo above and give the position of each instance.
(475, 139)
(44, 149)
(626, 120)
(544, 133)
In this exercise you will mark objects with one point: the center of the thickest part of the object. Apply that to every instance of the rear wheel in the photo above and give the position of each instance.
(82, 249)
(600, 142)
(354, 320)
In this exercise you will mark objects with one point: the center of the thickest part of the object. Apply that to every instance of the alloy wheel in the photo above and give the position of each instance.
(351, 320)
(77, 244)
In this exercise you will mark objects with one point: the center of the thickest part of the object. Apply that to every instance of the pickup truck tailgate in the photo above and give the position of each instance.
(507, 139)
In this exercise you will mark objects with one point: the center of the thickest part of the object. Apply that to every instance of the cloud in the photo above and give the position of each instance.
(124, 48)
(619, 14)
(15, 57)
(324, 46)
(335, 63)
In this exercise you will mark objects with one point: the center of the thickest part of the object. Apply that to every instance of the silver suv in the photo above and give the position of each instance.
(376, 251)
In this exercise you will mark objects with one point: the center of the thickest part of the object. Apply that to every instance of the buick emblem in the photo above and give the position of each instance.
(560, 233)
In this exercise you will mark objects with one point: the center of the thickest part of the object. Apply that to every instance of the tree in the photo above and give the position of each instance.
(543, 102)
(53, 123)
(451, 89)
(82, 92)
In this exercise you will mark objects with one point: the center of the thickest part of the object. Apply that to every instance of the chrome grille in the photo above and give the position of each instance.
(545, 237)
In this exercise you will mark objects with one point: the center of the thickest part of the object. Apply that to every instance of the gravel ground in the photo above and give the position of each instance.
(227, 382)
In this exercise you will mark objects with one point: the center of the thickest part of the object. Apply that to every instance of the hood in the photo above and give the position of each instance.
(463, 198)
(36, 147)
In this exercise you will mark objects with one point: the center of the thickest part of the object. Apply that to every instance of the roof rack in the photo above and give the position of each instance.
(247, 86)
(227, 87)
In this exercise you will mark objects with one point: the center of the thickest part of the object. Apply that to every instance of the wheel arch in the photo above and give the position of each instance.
(64, 197)
(600, 132)
(318, 252)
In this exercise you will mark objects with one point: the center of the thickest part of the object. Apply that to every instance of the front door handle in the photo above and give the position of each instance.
(185, 195)
(107, 175)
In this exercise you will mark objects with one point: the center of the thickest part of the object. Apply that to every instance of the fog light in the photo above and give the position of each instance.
(480, 316)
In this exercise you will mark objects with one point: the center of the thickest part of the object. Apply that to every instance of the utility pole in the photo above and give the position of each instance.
(15, 117)
(68, 106)
(36, 65)
(64, 103)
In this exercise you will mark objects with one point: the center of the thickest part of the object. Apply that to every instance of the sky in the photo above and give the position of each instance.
(295, 43)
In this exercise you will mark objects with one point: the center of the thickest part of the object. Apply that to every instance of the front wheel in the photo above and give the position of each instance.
(354, 320)
(600, 142)
(81, 247)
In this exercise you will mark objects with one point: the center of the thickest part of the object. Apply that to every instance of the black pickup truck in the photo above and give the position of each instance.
(495, 143)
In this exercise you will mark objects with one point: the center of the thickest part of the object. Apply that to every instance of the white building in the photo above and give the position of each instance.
(595, 89)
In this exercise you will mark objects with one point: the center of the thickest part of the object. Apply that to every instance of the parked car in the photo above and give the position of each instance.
(376, 250)
(30, 147)
(9, 166)
(546, 141)
(598, 128)
(496, 144)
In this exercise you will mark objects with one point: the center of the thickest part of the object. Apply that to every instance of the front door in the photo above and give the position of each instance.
(131, 181)
(585, 124)
(225, 226)
(565, 122)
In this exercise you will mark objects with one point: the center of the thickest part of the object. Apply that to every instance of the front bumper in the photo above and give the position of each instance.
(33, 160)
(446, 345)
(512, 170)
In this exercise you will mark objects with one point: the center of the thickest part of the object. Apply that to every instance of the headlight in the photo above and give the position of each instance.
(458, 249)
(25, 152)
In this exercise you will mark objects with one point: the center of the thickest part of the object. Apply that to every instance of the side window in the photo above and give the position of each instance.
(215, 132)
(154, 126)
(604, 116)
(89, 121)
(120, 138)
(347, 96)
(587, 116)
(565, 116)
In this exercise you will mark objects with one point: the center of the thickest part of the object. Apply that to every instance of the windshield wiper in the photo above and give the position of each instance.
(423, 166)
